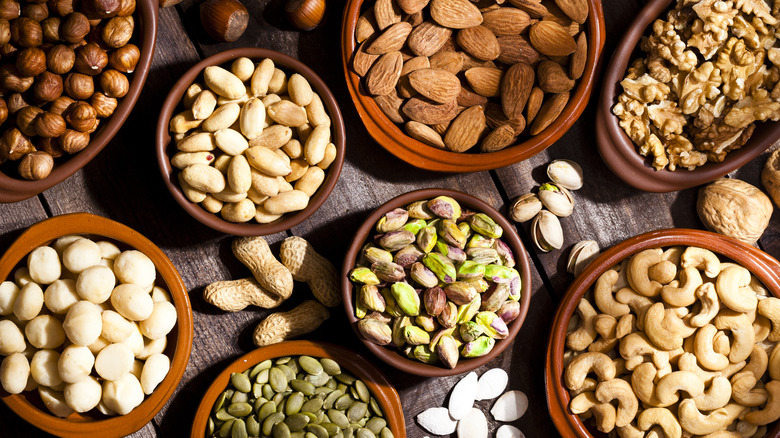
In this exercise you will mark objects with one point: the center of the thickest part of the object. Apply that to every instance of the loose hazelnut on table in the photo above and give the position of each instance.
(114, 83)
(224, 20)
(74, 27)
(9, 9)
(47, 86)
(26, 32)
(124, 59)
(36, 165)
(118, 31)
(60, 59)
(78, 86)
(81, 116)
(91, 59)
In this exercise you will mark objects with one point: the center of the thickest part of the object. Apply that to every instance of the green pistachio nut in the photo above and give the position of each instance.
(371, 298)
(408, 255)
(392, 220)
(448, 317)
(505, 253)
(414, 335)
(424, 354)
(375, 254)
(438, 335)
(509, 311)
(451, 252)
(375, 331)
(423, 276)
(360, 309)
(460, 292)
(441, 266)
(470, 331)
(480, 284)
(445, 207)
(391, 307)
(395, 240)
(363, 275)
(420, 210)
(499, 274)
(450, 233)
(495, 297)
(434, 300)
(483, 256)
(426, 239)
(465, 229)
(388, 271)
(515, 288)
(426, 322)
(406, 297)
(485, 225)
(470, 270)
(467, 311)
(447, 349)
(480, 241)
(492, 325)
(479, 347)
(414, 226)
(398, 330)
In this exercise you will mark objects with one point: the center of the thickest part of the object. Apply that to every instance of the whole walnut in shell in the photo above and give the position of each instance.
(734, 208)
(770, 176)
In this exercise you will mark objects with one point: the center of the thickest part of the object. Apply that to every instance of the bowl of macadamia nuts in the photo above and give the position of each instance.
(70, 74)
(250, 142)
(673, 332)
(95, 327)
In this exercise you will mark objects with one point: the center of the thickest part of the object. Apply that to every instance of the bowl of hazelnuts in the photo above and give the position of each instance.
(70, 73)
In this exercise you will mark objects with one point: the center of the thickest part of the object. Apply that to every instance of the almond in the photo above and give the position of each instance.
(391, 40)
(412, 6)
(550, 38)
(471, 62)
(534, 103)
(506, 21)
(577, 10)
(579, 57)
(549, 111)
(479, 42)
(534, 8)
(404, 88)
(455, 14)
(557, 15)
(415, 19)
(514, 49)
(424, 133)
(428, 112)
(515, 88)
(437, 85)
(366, 26)
(450, 61)
(386, 13)
(390, 105)
(464, 132)
(362, 61)
(498, 139)
(552, 78)
(427, 38)
(468, 97)
(495, 117)
(383, 75)
(485, 81)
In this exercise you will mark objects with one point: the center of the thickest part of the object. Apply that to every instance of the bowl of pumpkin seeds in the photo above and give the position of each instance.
(300, 388)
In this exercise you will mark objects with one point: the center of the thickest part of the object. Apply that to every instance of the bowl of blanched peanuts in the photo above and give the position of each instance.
(95, 327)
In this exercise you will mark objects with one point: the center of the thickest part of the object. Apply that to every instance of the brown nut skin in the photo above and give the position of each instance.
(79, 86)
(60, 59)
(114, 83)
(31, 61)
(25, 119)
(224, 20)
(104, 105)
(36, 11)
(11, 79)
(5, 31)
(118, 31)
(74, 27)
(3, 111)
(90, 59)
(49, 145)
(14, 145)
(96, 9)
(61, 7)
(15, 102)
(49, 125)
(9, 9)
(26, 32)
(36, 165)
(8, 50)
(124, 59)
(60, 104)
(81, 116)
(72, 141)
(47, 86)
(51, 29)
(126, 7)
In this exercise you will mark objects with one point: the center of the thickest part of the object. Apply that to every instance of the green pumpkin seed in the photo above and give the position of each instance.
(303, 386)
(312, 405)
(319, 379)
(348, 432)
(280, 430)
(310, 435)
(279, 400)
(297, 421)
(332, 384)
(266, 409)
(223, 415)
(357, 411)
(344, 402)
(269, 422)
(386, 433)
(210, 427)
(239, 409)
(330, 400)
(375, 408)
(226, 429)
(252, 426)
(220, 402)
(239, 429)
(376, 424)
(338, 418)
(293, 403)
(288, 372)
(283, 360)
(339, 435)
(241, 382)
(310, 364)
(264, 365)
(293, 366)
(342, 387)
(362, 391)
(317, 430)
(330, 366)
(365, 433)
(257, 390)
(313, 418)
(345, 378)
(268, 391)
(322, 391)
(331, 428)
(262, 376)
(298, 434)
(278, 379)
(239, 397)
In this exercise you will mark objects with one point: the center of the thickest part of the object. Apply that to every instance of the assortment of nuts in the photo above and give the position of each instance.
(677, 342)
(64, 69)
(297, 395)
(470, 289)
(246, 136)
(84, 323)
(710, 71)
(458, 74)
(734, 208)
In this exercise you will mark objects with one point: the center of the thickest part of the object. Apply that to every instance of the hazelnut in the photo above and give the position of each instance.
(5, 31)
(305, 14)
(37, 12)
(26, 32)
(25, 119)
(61, 7)
(73, 141)
(49, 145)
(224, 20)
(118, 31)
(126, 7)
(78, 86)
(94, 127)
(81, 116)
(3, 111)
(49, 125)
(90, 59)
(8, 50)
(16, 102)
(11, 79)
(47, 86)
(14, 145)
(36, 165)
(74, 27)
(31, 61)
(51, 29)
(9, 9)
(96, 9)
(124, 58)
(114, 83)
(104, 105)
(60, 104)
(60, 59)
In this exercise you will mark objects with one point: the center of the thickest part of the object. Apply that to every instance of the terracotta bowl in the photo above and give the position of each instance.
(619, 152)
(14, 189)
(758, 262)
(392, 137)
(166, 148)
(359, 366)
(28, 405)
(393, 356)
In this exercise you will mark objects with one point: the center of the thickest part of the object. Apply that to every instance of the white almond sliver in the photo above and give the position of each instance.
(473, 425)
(492, 383)
(508, 431)
(463, 395)
(437, 421)
(510, 406)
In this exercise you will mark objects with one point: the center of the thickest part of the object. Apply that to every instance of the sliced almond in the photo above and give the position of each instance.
(550, 38)
(424, 133)
(391, 39)
(506, 21)
(515, 88)
(550, 110)
(455, 14)
(428, 112)
(386, 13)
(428, 38)
(514, 49)
(485, 81)
(480, 42)
(579, 57)
(435, 84)
(383, 75)
(464, 132)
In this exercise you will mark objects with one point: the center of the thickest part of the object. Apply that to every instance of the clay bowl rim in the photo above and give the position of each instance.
(392, 356)
(379, 385)
(619, 152)
(163, 143)
(13, 189)
(761, 264)
(394, 140)
(77, 425)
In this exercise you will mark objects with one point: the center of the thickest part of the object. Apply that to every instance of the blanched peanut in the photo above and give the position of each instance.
(191, 194)
(60, 295)
(160, 322)
(252, 118)
(286, 202)
(264, 184)
(191, 94)
(108, 250)
(203, 105)
(83, 395)
(273, 137)
(45, 331)
(83, 323)
(123, 395)
(316, 112)
(299, 167)
(239, 174)
(266, 161)
(330, 156)
(204, 178)
(155, 370)
(311, 180)
(243, 68)
(54, 402)
(135, 267)
(255, 197)
(29, 302)
(95, 283)
(132, 301)
(80, 255)
(278, 83)
(8, 292)
(180, 160)
(230, 142)
(14, 373)
(43, 264)
(115, 327)
(299, 89)
(211, 204)
(229, 195)
(262, 216)
(11, 338)
(222, 118)
(316, 144)
(43, 368)
(197, 142)
(261, 77)
(293, 149)
(75, 363)
(241, 211)
(152, 346)
(114, 361)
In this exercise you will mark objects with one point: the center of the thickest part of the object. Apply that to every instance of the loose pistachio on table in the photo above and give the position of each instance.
(437, 282)
(582, 253)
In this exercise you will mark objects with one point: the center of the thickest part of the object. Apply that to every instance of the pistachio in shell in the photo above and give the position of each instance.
(546, 231)
(582, 253)
(566, 174)
(557, 199)
(525, 208)
(734, 208)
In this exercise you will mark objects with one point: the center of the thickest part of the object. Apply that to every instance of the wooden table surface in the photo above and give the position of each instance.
(123, 183)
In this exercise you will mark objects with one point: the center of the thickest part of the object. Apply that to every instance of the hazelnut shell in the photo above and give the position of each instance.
(224, 20)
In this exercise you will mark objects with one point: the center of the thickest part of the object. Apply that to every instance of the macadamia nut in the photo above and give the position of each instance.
(83, 323)
(8, 292)
(75, 363)
(22, 276)
(132, 301)
(138, 368)
(160, 294)
(83, 395)
(135, 267)
(135, 341)
(99, 344)
(115, 327)
(80, 255)
(152, 346)
(14, 373)
(95, 283)
(43, 264)
(123, 395)
(155, 370)
(114, 361)
(60, 295)
(45, 331)
(160, 322)
(29, 302)
(63, 242)
(54, 402)
(108, 251)
(11, 338)
(43, 368)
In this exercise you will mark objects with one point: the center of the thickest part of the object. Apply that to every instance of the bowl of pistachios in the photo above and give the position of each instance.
(325, 389)
(436, 282)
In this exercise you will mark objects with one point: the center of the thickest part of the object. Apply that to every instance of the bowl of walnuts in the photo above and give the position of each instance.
(70, 75)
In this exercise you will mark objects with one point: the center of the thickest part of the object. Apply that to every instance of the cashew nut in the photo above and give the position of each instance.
(580, 366)
(710, 305)
(603, 412)
(659, 330)
(662, 417)
(579, 339)
(605, 300)
(605, 327)
(744, 391)
(685, 294)
(762, 326)
(758, 362)
(693, 421)
(733, 291)
(669, 385)
(701, 259)
(774, 363)
(687, 362)
(746, 429)
(722, 434)
(643, 383)
(771, 411)
(770, 308)
(636, 345)
(673, 254)
(705, 354)
(620, 390)
(626, 324)
(638, 303)
(741, 331)
(588, 386)
(721, 343)
(638, 272)
(717, 396)
(663, 272)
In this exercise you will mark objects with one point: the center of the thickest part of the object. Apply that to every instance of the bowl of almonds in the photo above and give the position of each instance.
(250, 142)
(461, 86)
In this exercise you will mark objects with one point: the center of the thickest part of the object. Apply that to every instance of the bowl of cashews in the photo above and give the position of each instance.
(670, 333)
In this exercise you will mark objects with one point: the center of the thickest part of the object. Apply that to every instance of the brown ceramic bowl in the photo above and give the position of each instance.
(14, 189)
(392, 137)
(359, 366)
(619, 152)
(166, 148)
(28, 405)
(392, 355)
(761, 264)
